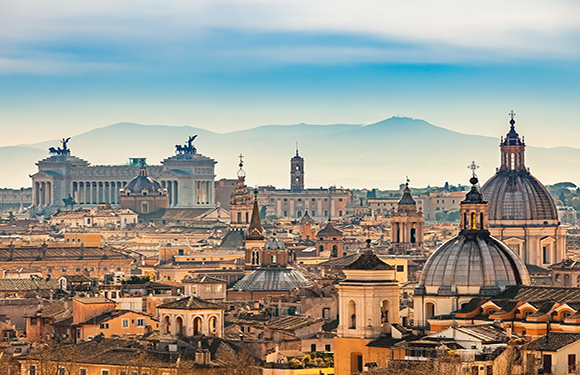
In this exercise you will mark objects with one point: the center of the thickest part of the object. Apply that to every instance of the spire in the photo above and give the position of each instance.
(297, 148)
(512, 138)
(241, 172)
(255, 231)
(407, 199)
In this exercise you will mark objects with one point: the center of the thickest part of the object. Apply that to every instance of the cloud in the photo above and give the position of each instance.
(214, 33)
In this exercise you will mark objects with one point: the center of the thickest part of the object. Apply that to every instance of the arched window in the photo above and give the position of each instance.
(256, 256)
(334, 251)
(413, 231)
(197, 326)
(473, 226)
(567, 280)
(385, 305)
(213, 325)
(352, 314)
(179, 326)
(429, 310)
(299, 214)
(273, 258)
(320, 248)
(239, 217)
(167, 325)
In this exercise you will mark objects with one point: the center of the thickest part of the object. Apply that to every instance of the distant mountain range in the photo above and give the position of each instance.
(378, 155)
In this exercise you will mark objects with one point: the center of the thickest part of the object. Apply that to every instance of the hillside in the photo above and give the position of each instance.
(377, 155)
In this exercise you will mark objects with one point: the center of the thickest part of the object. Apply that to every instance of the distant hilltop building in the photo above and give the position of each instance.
(295, 202)
(187, 177)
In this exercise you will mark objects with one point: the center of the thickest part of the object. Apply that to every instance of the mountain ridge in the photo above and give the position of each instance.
(351, 155)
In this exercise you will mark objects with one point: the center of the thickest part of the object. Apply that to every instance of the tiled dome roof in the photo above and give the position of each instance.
(517, 195)
(474, 259)
(273, 279)
(143, 182)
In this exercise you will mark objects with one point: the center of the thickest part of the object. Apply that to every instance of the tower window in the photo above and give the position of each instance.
(513, 161)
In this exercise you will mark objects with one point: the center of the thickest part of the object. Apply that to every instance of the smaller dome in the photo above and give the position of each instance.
(143, 182)
(476, 259)
(272, 279)
(274, 244)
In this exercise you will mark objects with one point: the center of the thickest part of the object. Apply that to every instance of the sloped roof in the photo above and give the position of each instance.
(539, 293)
(567, 264)
(233, 239)
(370, 262)
(329, 230)
(191, 303)
(16, 285)
(487, 333)
(553, 341)
(290, 323)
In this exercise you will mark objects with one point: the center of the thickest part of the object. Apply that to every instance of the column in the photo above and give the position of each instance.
(170, 193)
(42, 193)
(49, 193)
(175, 189)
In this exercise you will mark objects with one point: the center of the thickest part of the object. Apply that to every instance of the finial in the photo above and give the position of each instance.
(241, 160)
(512, 114)
(241, 172)
(297, 148)
(473, 166)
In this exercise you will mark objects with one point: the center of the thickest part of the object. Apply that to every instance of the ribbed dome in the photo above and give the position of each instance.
(274, 279)
(274, 244)
(517, 195)
(143, 182)
(474, 258)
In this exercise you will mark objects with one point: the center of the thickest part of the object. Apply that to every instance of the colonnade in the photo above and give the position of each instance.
(204, 192)
(96, 191)
(42, 193)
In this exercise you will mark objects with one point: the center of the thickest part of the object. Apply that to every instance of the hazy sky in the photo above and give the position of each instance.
(68, 66)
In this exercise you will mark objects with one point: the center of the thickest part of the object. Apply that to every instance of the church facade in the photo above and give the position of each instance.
(187, 176)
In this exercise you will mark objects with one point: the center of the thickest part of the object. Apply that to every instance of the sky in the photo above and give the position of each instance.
(69, 66)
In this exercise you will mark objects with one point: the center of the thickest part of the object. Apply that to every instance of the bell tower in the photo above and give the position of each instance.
(297, 172)
(406, 223)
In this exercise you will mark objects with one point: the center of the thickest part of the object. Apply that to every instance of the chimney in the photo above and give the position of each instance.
(508, 330)
(199, 357)
(206, 357)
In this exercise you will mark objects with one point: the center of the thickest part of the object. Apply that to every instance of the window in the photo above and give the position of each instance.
(61, 371)
(207, 288)
(571, 363)
(400, 268)
(33, 321)
(104, 325)
(546, 254)
(339, 213)
(125, 323)
(312, 347)
(83, 371)
(140, 322)
(327, 348)
(219, 288)
(313, 213)
(32, 370)
(104, 371)
(273, 258)
(113, 294)
(326, 313)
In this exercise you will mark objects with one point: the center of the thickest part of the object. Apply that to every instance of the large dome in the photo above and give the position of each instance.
(517, 195)
(472, 259)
